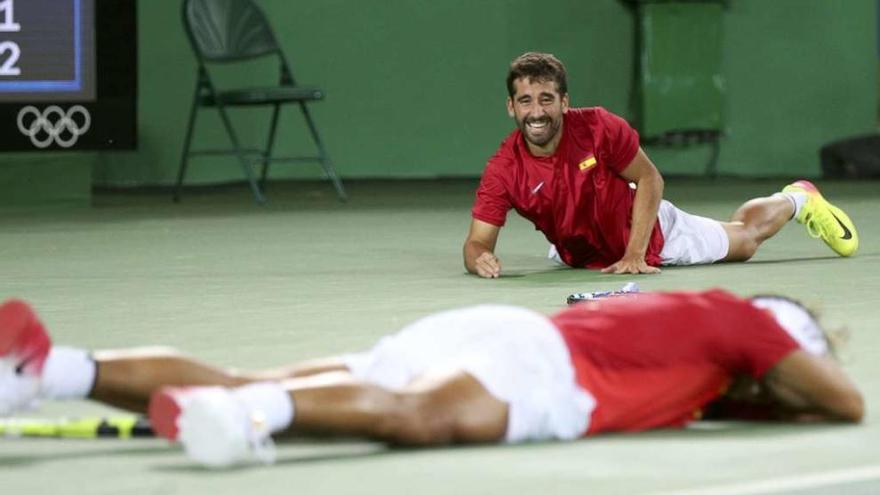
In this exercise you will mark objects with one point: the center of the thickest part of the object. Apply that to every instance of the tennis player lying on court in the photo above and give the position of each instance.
(477, 374)
(581, 177)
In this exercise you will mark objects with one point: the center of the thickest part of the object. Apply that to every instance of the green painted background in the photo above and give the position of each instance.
(415, 87)
(681, 80)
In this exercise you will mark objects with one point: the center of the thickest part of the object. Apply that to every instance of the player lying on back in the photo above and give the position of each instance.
(477, 374)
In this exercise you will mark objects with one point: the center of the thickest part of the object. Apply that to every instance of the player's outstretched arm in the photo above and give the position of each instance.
(810, 384)
(479, 247)
(649, 192)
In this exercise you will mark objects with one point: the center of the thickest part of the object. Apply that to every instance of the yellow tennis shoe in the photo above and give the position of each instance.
(824, 220)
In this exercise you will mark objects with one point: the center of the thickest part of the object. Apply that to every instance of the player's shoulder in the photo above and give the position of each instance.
(587, 112)
(596, 115)
(506, 154)
(591, 124)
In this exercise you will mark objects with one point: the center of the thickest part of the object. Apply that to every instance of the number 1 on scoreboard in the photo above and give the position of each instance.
(8, 25)
(7, 20)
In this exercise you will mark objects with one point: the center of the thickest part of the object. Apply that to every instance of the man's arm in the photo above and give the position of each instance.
(812, 385)
(479, 247)
(644, 214)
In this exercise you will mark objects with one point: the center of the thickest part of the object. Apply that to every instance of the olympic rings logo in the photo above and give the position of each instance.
(54, 125)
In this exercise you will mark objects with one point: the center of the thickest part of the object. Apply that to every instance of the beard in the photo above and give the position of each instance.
(541, 135)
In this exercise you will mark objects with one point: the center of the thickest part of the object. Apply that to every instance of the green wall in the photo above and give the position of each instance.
(415, 87)
(799, 73)
(800, 76)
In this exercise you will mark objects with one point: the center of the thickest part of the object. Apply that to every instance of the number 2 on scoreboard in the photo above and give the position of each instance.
(8, 25)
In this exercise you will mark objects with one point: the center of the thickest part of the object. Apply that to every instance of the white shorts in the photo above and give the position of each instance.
(690, 239)
(516, 354)
(687, 239)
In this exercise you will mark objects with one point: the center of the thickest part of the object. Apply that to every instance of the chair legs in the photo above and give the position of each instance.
(322, 155)
(245, 163)
(267, 156)
(257, 185)
(712, 165)
(187, 141)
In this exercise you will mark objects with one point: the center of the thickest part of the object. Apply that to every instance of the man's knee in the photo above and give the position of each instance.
(749, 209)
(418, 419)
(742, 249)
(743, 242)
(461, 411)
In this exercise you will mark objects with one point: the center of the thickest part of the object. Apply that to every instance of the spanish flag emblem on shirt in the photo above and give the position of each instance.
(588, 163)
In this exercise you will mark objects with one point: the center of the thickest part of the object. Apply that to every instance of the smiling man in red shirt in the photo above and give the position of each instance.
(581, 177)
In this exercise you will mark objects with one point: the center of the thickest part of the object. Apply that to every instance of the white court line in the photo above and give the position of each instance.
(777, 485)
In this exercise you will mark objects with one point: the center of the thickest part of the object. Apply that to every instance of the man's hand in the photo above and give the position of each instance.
(649, 193)
(631, 264)
(479, 250)
(488, 265)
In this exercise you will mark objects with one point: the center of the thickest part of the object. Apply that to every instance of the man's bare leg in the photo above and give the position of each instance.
(223, 426)
(451, 407)
(754, 222)
(127, 378)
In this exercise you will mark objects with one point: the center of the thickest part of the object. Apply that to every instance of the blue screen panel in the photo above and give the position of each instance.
(47, 50)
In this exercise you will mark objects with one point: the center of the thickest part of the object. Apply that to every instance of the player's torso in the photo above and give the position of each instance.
(579, 203)
(652, 364)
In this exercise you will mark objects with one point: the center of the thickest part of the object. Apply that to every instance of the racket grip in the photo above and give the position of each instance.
(113, 427)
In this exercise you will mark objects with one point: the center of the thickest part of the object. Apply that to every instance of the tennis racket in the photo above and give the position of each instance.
(627, 289)
(90, 427)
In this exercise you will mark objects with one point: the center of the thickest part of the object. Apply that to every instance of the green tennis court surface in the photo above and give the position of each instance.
(306, 276)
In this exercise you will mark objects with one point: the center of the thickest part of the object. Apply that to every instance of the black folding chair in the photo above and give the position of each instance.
(231, 31)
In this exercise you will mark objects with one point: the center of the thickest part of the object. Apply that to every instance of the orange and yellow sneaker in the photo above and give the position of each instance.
(824, 220)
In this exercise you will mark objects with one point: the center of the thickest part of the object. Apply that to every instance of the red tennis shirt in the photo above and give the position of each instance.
(576, 197)
(656, 360)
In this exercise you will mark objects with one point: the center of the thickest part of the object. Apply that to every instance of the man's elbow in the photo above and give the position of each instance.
(469, 258)
(651, 181)
(852, 408)
(657, 179)
(469, 267)
(847, 405)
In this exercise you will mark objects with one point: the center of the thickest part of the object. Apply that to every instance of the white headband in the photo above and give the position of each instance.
(797, 321)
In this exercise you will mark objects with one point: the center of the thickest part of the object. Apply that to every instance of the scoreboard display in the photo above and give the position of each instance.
(68, 74)
(43, 56)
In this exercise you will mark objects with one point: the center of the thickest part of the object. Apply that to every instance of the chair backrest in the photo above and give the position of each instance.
(228, 30)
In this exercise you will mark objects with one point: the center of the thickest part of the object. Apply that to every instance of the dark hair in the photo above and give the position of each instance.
(537, 67)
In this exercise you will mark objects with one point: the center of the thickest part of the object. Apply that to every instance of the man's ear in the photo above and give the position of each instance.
(565, 103)
(510, 107)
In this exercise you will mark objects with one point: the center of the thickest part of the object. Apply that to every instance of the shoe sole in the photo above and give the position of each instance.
(164, 409)
(22, 334)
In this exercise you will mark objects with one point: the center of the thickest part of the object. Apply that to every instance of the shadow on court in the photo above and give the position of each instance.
(28, 459)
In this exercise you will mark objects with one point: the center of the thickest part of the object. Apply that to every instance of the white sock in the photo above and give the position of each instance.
(69, 373)
(270, 399)
(798, 199)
